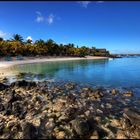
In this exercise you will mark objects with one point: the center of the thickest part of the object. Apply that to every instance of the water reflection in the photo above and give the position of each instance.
(50, 69)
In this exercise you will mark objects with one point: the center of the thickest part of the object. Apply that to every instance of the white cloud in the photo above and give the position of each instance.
(39, 17)
(50, 19)
(29, 38)
(84, 3)
(2, 34)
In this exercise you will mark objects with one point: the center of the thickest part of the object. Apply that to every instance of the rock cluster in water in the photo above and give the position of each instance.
(47, 110)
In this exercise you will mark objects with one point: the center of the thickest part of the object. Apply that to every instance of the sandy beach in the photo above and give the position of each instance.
(5, 64)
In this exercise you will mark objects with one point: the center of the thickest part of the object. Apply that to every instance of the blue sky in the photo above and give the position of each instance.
(111, 25)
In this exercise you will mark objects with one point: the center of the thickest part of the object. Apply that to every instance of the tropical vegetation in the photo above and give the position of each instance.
(17, 46)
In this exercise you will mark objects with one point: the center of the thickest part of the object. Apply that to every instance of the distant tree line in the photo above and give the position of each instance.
(17, 46)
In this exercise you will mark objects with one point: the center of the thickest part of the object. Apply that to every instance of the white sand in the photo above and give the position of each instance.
(5, 64)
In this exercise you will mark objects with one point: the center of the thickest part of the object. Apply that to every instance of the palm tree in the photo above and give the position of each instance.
(40, 43)
(41, 46)
(50, 44)
(17, 37)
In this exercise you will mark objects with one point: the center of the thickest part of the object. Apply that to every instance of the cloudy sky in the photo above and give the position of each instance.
(111, 25)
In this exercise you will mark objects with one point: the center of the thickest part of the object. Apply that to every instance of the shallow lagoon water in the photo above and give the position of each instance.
(121, 72)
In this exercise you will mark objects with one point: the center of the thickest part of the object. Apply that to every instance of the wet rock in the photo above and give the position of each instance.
(126, 124)
(137, 133)
(58, 114)
(36, 122)
(94, 135)
(108, 105)
(128, 94)
(11, 123)
(99, 111)
(121, 135)
(87, 113)
(114, 91)
(12, 96)
(71, 112)
(98, 93)
(4, 80)
(64, 118)
(70, 99)
(8, 108)
(18, 110)
(80, 126)
(65, 113)
(86, 89)
(115, 123)
(3, 86)
(1, 127)
(23, 83)
(6, 136)
(98, 119)
(133, 115)
(29, 131)
(58, 105)
(69, 85)
(60, 135)
(1, 107)
(84, 95)
(21, 75)
(49, 126)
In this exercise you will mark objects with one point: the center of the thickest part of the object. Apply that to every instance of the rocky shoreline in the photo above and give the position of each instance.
(46, 110)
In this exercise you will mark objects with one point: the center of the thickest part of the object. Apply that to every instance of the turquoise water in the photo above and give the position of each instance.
(121, 72)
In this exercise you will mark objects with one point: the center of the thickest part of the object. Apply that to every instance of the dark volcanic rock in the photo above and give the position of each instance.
(1, 107)
(47, 110)
(3, 86)
(13, 105)
(29, 131)
(71, 99)
(18, 109)
(13, 96)
(133, 115)
(80, 126)
(23, 83)
(71, 112)
(1, 127)
(8, 108)
(126, 124)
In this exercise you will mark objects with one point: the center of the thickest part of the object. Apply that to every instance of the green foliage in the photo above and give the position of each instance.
(16, 47)
(17, 37)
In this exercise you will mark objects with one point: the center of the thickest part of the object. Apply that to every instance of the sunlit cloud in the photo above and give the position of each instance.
(46, 19)
(39, 17)
(29, 38)
(50, 19)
